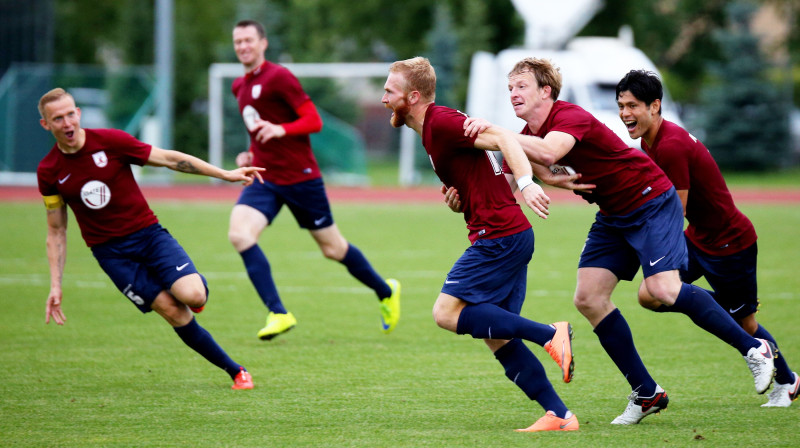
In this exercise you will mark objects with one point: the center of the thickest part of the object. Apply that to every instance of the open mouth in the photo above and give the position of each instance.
(631, 125)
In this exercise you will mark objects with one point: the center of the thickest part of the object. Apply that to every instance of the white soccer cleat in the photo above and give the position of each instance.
(761, 361)
(783, 395)
(639, 408)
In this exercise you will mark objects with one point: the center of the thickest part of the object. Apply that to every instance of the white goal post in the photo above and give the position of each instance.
(217, 72)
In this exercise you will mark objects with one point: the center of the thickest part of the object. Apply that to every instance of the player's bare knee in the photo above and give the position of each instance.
(241, 241)
(335, 252)
(647, 301)
(172, 310)
(331, 252)
(583, 303)
(194, 297)
(444, 318)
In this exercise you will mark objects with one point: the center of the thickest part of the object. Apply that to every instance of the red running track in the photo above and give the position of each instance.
(426, 194)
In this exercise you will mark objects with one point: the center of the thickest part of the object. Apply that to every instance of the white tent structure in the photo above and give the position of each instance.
(590, 67)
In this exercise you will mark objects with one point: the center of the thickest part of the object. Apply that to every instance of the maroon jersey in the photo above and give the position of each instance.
(489, 207)
(715, 224)
(98, 185)
(273, 93)
(625, 177)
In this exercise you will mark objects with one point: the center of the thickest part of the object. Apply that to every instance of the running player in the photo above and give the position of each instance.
(640, 223)
(484, 291)
(90, 170)
(279, 117)
(721, 240)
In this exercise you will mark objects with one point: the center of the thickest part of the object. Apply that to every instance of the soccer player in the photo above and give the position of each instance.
(484, 291)
(720, 239)
(90, 170)
(640, 222)
(279, 117)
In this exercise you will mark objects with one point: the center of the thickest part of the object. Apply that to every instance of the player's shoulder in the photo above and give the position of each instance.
(443, 116)
(49, 162)
(104, 136)
(563, 110)
(443, 112)
(560, 106)
(672, 134)
(237, 84)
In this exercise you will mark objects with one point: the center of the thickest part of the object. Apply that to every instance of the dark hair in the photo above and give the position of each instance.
(257, 25)
(643, 84)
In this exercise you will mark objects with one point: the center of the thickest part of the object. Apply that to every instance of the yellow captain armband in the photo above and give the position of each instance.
(53, 202)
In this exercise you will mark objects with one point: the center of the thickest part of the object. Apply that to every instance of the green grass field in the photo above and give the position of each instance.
(112, 377)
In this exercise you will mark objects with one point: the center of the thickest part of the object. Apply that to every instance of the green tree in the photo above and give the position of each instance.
(443, 43)
(746, 120)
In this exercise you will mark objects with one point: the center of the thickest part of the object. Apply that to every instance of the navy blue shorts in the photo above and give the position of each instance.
(144, 263)
(651, 237)
(493, 271)
(307, 201)
(732, 277)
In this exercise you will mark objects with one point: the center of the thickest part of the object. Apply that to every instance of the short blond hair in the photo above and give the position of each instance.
(51, 96)
(419, 75)
(545, 73)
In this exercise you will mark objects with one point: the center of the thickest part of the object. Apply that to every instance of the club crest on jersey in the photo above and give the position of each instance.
(249, 115)
(256, 91)
(95, 194)
(100, 159)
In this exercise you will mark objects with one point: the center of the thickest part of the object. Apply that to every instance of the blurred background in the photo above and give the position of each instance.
(162, 69)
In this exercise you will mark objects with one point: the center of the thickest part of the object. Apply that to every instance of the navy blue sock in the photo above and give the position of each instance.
(696, 303)
(524, 370)
(358, 266)
(201, 341)
(487, 321)
(783, 374)
(260, 273)
(616, 338)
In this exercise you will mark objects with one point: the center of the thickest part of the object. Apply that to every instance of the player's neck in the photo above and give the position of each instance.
(250, 68)
(650, 136)
(416, 117)
(538, 116)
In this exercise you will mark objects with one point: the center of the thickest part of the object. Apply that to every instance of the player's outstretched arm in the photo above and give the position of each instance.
(496, 138)
(56, 257)
(185, 163)
(548, 150)
(560, 180)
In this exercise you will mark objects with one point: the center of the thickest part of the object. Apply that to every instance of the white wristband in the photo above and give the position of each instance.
(523, 182)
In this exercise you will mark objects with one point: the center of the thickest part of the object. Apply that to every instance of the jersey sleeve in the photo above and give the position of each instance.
(574, 122)
(448, 130)
(134, 151)
(45, 176)
(236, 85)
(290, 89)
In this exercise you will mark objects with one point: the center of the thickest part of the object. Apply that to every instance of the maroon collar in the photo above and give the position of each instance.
(256, 71)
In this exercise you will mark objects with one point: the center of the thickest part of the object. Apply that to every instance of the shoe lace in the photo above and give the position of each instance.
(756, 363)
(631, 402)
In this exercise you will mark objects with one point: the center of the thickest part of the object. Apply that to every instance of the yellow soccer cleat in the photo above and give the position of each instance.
(390, 307)
(276, 324)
